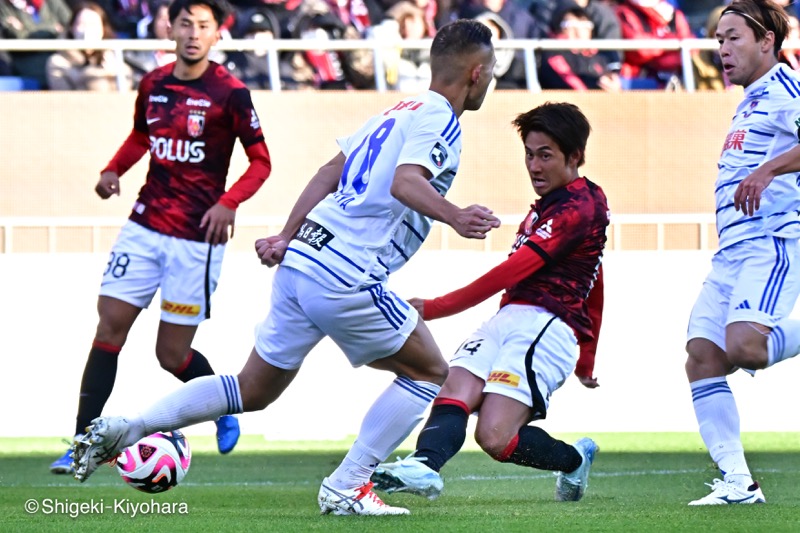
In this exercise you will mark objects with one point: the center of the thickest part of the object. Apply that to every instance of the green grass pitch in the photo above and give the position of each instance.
(640, 482)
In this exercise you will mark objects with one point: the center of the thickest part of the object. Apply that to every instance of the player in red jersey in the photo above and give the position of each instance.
(188, 115)
(507, 370)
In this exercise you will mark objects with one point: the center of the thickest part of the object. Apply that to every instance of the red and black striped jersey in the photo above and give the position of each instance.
(192, 127)
(567, 229)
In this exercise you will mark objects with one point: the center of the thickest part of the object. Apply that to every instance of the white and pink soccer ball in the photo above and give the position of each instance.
(156, 463)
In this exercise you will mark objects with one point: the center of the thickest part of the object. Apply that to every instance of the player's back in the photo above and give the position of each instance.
(359, 234)
(763, 127)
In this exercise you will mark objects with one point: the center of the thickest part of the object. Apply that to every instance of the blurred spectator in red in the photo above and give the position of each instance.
(154, 26)
(33, 19)
(652, 19)
(331, 69)
(88, 70)
(578, 70)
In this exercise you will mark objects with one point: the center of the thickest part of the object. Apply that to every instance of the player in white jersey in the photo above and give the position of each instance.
(358, 235)
(361, 217)
(740, 317)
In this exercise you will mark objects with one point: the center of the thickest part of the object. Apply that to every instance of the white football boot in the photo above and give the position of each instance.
(723, 493)
(571, 486)
(409, 475)
(105, 438)
(360, 501)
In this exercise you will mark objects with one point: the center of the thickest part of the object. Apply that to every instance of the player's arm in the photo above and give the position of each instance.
(133, 148)
(517, 267)
(748, 194)
(584, 370)
(411, 187)
(271, 249)
(222, 215)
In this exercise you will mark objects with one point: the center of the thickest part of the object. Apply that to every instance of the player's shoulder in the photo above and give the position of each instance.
(222, 76)
(156, 76)
(783, 85)
(425, 110)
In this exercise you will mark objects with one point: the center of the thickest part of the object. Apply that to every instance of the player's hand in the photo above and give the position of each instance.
(747, 197)
(474, 222)
(216, 222)
(108, 185)
(271, 250)
(589, 382)
(419, 305)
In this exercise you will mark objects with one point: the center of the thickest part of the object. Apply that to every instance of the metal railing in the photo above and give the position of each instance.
(9, 226)
(379, 49)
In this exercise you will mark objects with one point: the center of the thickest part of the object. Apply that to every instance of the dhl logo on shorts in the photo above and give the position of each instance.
(506, 378)
(180, 309)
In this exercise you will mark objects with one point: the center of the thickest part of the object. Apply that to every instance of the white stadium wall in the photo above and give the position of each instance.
(653, 153)
(48, 318)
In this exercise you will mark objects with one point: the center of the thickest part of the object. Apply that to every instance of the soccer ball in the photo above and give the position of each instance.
(156, 463)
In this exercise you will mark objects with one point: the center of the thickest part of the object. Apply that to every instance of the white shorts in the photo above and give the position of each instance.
(755, 281)
(367, 325)
(520, 346)
(187, 272)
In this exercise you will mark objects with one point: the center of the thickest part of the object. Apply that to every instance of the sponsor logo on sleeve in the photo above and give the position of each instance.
(254, 122)
(438, 155)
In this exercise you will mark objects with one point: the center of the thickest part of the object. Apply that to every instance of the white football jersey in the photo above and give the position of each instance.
(358, 235)
(765, 126)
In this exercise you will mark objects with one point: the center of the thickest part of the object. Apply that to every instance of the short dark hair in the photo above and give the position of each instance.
(562, 122)
(762, 16)
(461, 37)
(219, 8)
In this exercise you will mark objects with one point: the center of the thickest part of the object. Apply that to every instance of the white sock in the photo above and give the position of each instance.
(783, 342)
(386, 425)
(200, 400)
(718, 417)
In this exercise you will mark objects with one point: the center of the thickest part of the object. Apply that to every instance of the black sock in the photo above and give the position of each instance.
(196, 365)
(97, 383)
(537, 449)
(443, 434)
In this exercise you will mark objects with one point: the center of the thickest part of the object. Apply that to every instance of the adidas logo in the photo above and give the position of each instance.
(743, 305)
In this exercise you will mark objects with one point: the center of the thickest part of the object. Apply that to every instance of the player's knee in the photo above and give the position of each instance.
(747, 355)
(493, 442)
(171, 360)
(439, 373)
(111, 334)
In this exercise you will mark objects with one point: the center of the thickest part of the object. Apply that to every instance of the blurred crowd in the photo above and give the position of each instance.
(406, 69)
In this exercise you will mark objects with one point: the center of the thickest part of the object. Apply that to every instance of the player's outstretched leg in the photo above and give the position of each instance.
(104, 439)
(726, 493)
(227, 433)
(571, 486)
(409, 475)
(360, 501)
